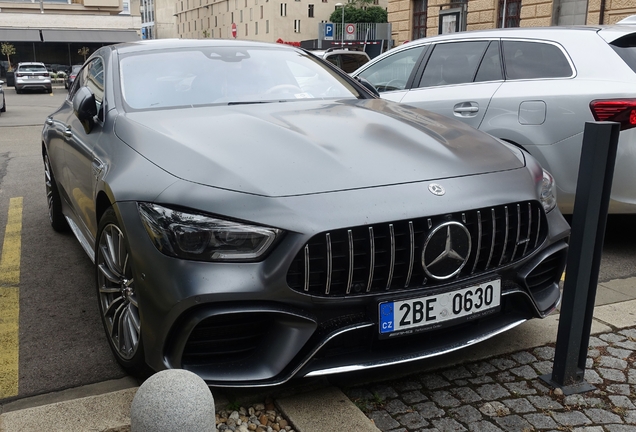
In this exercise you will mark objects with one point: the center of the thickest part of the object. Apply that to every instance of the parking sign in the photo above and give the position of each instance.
(329, 31)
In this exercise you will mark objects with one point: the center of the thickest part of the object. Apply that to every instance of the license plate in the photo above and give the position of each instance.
(439, 310)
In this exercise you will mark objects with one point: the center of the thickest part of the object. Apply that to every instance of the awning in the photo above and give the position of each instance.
(19, 35)
(98, 36)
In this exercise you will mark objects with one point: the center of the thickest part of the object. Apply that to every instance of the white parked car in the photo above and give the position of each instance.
(532, 87)
(346, 59)
(32, 76)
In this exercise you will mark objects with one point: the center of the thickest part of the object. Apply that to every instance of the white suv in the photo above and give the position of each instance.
(345, 59)
(32, 76)
(532, 87)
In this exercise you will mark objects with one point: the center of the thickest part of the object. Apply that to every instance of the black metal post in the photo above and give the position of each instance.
(600, 141)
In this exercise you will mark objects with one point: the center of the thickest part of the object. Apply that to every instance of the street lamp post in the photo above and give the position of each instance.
(342, 28)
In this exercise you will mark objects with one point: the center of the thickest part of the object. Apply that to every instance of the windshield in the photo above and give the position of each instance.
(227, 75)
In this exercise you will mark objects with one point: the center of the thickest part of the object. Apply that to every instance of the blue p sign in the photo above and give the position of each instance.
(329, 31)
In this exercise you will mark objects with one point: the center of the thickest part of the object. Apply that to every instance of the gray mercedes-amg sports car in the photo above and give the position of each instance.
(254, 214)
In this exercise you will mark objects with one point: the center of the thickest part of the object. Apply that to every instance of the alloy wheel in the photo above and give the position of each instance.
(117, 298)
(48, 181)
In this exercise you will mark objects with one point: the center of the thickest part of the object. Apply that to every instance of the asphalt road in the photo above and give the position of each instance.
(61, 340)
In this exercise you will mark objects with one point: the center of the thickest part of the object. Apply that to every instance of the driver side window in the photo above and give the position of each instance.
(392, 72)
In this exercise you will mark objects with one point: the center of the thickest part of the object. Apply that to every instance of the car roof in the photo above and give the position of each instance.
(159, 44)
(608, 32)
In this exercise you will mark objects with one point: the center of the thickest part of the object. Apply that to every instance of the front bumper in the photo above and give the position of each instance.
(240, 324)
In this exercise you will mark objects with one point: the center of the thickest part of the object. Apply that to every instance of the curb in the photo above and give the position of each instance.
(321, 410)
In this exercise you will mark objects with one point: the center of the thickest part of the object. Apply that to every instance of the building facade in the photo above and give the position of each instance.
(54, 31)
(413, 19)
(261, 20)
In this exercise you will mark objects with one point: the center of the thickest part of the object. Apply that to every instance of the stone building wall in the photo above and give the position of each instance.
(482, 14)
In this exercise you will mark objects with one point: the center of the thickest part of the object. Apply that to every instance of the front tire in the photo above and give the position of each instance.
(4, 105)
(117, 296)
(58, 222)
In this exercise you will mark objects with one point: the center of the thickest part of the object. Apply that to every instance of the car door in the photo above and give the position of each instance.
(541, 106)
(458, 80)
(81, 163)
(391, 75)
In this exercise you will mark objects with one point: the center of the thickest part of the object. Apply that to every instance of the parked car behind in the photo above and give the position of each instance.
(3, 102)
(346, 59)
(32, 76)
(256, 215)
(70, 76)
(533, 87)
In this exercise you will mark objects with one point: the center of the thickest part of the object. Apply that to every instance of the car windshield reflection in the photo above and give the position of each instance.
(223, 75)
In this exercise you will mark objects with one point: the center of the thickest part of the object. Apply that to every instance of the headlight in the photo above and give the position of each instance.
(547, 191)
(203, 238)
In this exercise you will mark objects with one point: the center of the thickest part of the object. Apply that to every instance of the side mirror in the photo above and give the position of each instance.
(367, 85)
(85, 108)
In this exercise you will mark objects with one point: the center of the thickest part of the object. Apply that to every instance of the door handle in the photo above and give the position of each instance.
(68, 132)
(466, 109)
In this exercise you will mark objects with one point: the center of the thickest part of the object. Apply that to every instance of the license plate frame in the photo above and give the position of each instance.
(436, 311)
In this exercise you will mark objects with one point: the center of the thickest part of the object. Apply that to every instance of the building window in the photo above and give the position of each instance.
(310, 11)
(256, 28)
(283, 9)
(513, 11)
(251, 17)
(216, 22)
(420, 8)
(296, 26)
(261, 11)
(266, 26)
(241, 16)
(245, 29)
(324, 1)
(231, 17)
(212, 33)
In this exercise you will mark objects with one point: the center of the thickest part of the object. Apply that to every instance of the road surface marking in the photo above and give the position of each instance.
(10, 300)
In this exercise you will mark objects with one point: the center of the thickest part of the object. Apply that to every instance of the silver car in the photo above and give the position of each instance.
(255, 214)
(346, 59)
(3, 102)
(532, 87)
(32, 76)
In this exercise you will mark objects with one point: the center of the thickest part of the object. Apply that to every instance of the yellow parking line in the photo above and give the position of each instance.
(10, 300)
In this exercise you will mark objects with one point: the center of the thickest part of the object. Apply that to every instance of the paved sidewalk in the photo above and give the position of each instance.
(493, 386)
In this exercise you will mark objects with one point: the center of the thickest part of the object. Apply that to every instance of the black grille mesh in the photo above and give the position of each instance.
(370, 259)
(226, 338)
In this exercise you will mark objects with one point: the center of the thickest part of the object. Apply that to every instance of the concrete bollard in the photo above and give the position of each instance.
(173, 400)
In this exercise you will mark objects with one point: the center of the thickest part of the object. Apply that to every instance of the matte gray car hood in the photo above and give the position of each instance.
(306, 147)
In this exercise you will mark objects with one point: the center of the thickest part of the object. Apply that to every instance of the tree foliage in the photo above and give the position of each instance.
(360, 12)
(8, 50)
(83, 51)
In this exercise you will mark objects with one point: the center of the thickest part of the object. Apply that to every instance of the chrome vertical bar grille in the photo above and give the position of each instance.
(371, 259)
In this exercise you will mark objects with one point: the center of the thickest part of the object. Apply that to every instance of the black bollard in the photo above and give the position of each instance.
(600, 141)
